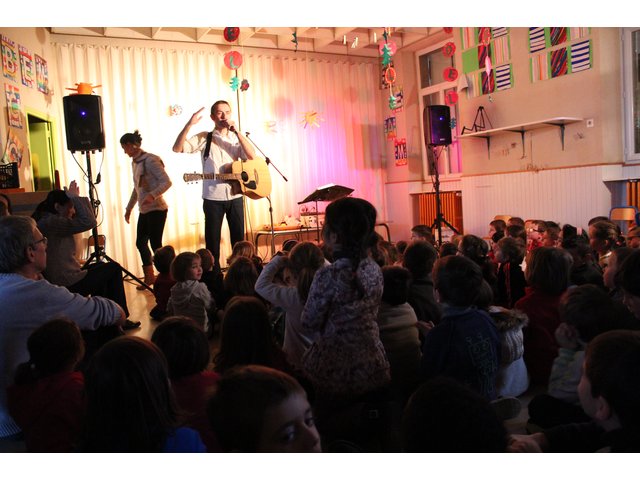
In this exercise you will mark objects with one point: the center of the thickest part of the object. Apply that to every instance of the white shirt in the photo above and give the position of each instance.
(224, 150)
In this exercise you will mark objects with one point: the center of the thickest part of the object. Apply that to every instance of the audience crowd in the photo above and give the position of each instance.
(354, 345)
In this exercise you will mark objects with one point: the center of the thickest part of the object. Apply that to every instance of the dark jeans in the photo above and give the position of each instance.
(214, 212)
(104, 280)
(150, 229)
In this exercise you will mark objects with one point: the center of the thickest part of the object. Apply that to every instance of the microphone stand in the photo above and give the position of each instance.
(268, 197)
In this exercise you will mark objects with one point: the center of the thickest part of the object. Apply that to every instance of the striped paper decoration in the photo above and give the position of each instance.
(559, 64)
(468, 37)
(497, 32)
(536, 39)
(581, 56)
(483, 52)
(578, 32)
(557, 35)
(488, 83)
(539, 67)
(503, 77)
(474, 84)
(501, 50)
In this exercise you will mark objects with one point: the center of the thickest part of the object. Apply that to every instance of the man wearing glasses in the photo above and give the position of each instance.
(29, 301)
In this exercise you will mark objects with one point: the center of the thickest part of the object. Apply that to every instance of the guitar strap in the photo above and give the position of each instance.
(207, 147)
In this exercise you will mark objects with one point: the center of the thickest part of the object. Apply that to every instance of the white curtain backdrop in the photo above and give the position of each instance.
(140, 82)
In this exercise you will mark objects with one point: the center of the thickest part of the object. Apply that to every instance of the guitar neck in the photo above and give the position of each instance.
(221, 176)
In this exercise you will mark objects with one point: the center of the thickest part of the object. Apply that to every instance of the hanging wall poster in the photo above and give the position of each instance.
(400, 145)
(26, 67)
(390, 127)
(581, 56)
(13, 105)
(14, 150)
(9, 59)
(42, 74)
(399, 94)
(486, 60)
(559, 51)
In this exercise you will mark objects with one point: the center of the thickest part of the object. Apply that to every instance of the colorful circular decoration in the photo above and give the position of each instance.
(450, 74)
(244, 85)
(231, 34)
(449, 49)
(390, 75)
(485, 36)
(451, 97)
(448, 29)
(391, 47)
(233, 60)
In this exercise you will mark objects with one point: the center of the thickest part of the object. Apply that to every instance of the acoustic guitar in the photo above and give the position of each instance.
(250, 177)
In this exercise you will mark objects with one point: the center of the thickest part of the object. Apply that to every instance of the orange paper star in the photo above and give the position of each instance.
(311, 118)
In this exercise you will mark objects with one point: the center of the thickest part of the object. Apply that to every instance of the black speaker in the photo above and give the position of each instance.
(83, 122)
(437, 125)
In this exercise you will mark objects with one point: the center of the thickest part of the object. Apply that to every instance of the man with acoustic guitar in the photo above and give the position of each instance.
(220, 149)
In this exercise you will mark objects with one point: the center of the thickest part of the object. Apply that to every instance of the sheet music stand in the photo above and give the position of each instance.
(326, 193)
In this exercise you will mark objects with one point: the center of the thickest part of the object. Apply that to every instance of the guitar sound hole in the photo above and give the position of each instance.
(244, 176)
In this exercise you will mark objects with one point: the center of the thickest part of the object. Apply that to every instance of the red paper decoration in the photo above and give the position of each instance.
(448, 29)
(233, 60)
(450, 74)
(390, 75)
(449, 49)
(451, 97)
(485, 36)
(231, 34)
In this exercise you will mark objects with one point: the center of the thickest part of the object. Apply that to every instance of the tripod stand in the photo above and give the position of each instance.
(439, 219)
(99, 255)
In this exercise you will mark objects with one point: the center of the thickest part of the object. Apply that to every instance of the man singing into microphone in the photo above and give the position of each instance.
(219, 148)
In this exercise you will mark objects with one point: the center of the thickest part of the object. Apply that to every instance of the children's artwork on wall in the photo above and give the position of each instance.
(400, 145)
(26, 67)
(390, 129)
(9, 59)
(311, 118)
(558, 51)
(486, 54)
(14, 150)
(581, 56)
(559, 62)
(399, 95)
(12, 95)
(42, 74)
(383, 75)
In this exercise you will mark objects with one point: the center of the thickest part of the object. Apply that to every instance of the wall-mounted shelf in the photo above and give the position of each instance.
(522, 128)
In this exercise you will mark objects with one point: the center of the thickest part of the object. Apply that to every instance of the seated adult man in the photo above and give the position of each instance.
(29, 301)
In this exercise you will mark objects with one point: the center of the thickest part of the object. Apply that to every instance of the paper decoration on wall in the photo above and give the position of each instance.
(233, 60)
(484, 36)
(234, 83)
(503, 77)
(311, 118)
(539, 67)
(12, 95)
(400, 147)
(537, 40)
(9, 59)
(83, 88)
(14, 151)
(383, 80)
(581, 56)
(390, 129)
(175, 110)
(295, 40)
(453, 123)
(450, 74)
(392, 102)
(557, 36)
(231, 34)
(244, 85)
(27, 71)
(450, 97)
(488, 53)
(449, 49)
(389, 75)
(559, 62)
(271, 126)
(399, 94)
(42, 74)
(447, 30)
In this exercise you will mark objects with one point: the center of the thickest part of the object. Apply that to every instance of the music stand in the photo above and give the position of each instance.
(326, 193)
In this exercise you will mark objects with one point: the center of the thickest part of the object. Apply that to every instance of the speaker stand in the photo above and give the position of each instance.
(440, 219)
(99, 255)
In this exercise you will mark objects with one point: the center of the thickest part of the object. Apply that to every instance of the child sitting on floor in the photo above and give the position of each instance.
(162, 259)
(47, 399)
(190, 297)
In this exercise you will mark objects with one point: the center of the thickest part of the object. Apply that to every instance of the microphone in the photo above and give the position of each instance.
(231, 128)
